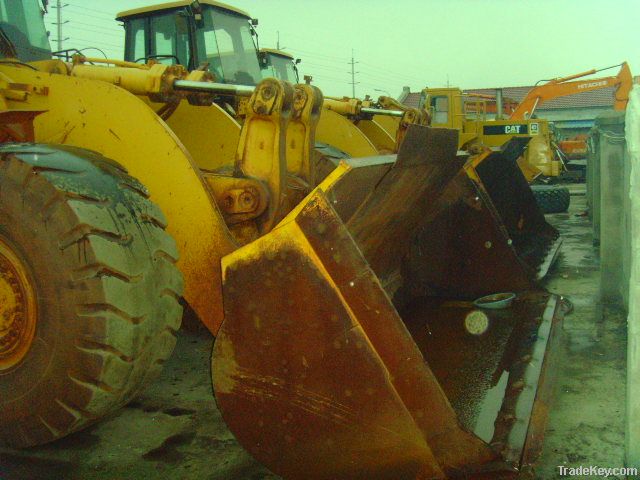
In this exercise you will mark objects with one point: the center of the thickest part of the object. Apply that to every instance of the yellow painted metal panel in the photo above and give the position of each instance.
(390, 124)
(338, 131)
(101, 117)
(383, 142)
(178, 4)
(210, 134)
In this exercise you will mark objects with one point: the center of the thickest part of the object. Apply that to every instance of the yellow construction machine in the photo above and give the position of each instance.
(348, 342)
(225, 48)
(451, 108)
(383, 122)
(347, 128)
(279, 64)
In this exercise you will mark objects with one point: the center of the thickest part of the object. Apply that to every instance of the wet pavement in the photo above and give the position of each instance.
(586, 421)
(175, 431)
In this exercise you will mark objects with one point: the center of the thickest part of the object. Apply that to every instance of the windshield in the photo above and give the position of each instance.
(225, 41)
(163, 36)
(170, 36)
(23, 25)
(282, 68)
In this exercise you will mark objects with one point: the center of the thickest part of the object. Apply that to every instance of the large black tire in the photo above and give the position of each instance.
(552, 198)
(106, 287)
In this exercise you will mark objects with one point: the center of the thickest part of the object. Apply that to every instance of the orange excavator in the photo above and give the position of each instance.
(574, 148)
(563, 86)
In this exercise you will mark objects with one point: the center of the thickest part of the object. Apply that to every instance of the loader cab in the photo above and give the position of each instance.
(22, 31)
(279, 64)
(444, 105)
(197, 34)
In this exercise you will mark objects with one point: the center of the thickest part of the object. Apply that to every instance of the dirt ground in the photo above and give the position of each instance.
(175, 431)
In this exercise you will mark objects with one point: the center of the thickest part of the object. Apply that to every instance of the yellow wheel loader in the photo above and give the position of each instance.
(383, 122)
(327, 363)
(279, 64)
(347, 128)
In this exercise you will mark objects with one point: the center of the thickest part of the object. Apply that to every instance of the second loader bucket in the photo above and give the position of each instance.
(536, 241)
(485, 233)
(319, 376)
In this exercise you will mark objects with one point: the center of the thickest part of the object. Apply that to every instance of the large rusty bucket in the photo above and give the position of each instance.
(485, 234)
(328, 367)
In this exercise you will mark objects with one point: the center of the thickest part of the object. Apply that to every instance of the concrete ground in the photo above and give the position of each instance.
(586, 421)
(174, 430)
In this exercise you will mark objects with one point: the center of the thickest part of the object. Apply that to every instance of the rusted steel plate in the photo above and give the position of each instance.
(296, 376)
(320, 377)
(462, 249)
(533, 238)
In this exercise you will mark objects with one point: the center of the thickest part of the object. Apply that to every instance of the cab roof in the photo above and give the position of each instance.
(178, 4)
(273, 51)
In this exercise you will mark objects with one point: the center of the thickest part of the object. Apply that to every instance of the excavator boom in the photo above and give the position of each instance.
(564, 86)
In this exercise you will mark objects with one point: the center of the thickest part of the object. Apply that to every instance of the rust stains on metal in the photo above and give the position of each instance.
(18, 315)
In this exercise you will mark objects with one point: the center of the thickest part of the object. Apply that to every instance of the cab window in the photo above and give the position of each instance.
(136, 45)
(22, 25)
(440, 108)
(170, 38)
(228, 47)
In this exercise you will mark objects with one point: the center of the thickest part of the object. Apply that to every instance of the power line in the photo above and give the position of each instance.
(318, 55)
(97, 42)
(85, 14)
(114, 35)
(82, 7)
(379, 80)
(400, 76)
(386, 75)
(340, 80)
(322, 66)
(112, 28)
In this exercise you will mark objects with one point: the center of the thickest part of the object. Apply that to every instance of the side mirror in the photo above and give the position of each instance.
(298, 60)
(196, 11)
(196, 8)
(254, 22)
(264, 60)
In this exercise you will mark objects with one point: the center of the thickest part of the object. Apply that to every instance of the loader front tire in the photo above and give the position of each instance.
(90, 291)
(552, 198)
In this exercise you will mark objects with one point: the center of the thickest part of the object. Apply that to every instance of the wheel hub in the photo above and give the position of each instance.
(17, 308)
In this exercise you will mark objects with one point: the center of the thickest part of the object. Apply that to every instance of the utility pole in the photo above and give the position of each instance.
(353, 75)
(278, 41)
(59, 6)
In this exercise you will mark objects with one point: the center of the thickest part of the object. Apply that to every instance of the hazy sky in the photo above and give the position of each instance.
(467, 43)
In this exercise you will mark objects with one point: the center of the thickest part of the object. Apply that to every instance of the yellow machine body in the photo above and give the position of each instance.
(340, 292)
(451, 108)
(338, 131)
(279, 64)
(98, 116)
(351, 242)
